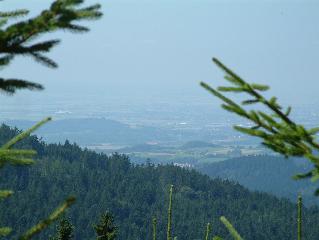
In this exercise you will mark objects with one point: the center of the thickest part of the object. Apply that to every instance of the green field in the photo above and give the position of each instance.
(191, 153)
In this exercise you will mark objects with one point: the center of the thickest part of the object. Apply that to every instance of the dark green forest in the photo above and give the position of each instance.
(137, 193)
(271, 174)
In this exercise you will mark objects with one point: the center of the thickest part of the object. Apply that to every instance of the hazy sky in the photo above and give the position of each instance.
(161, 49)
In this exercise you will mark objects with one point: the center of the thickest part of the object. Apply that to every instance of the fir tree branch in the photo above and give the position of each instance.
(25, 134)
(10, 86)
(154, 223)
(169, 214)
(15, 38)
(277, 130)
(5, 231)
(208, 229)
(217, 238)
(45, 223)
(14, 14)
(5, 193)
(230, 228)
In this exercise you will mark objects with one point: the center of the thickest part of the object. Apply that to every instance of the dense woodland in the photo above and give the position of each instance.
(261, 172)
(136, 193)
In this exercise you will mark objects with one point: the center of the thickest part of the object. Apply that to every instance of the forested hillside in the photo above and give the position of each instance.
(136, 193)
(266, 173)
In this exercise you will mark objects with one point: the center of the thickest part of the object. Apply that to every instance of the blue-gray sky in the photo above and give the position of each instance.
(161, 49)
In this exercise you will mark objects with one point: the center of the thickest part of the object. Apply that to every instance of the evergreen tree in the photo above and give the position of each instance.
(105, 229)
(64, 230)
(299, 218)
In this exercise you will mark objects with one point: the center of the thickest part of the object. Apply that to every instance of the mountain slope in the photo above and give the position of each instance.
(266, 173)
(136, 193)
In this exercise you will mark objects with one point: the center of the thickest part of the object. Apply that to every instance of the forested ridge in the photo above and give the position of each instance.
(271, 174)
(136, 193)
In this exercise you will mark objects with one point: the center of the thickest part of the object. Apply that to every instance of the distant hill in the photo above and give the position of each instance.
(90, 131)
(136, 193)
(97, 131)
(266, 173)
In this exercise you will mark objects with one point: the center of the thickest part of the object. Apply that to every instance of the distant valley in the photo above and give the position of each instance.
(248, 163)
(103, 134)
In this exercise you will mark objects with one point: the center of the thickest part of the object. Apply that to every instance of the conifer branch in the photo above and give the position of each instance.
(217, 238)
(5, 193)
(14, 14)
(5, 231)
(169, 215)
(230, 228)
(16, 157)
(45, 223)
(154, 223)
(208, 229)
(277, 130)
(10, 86)
(25, 134)
(16, 38)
